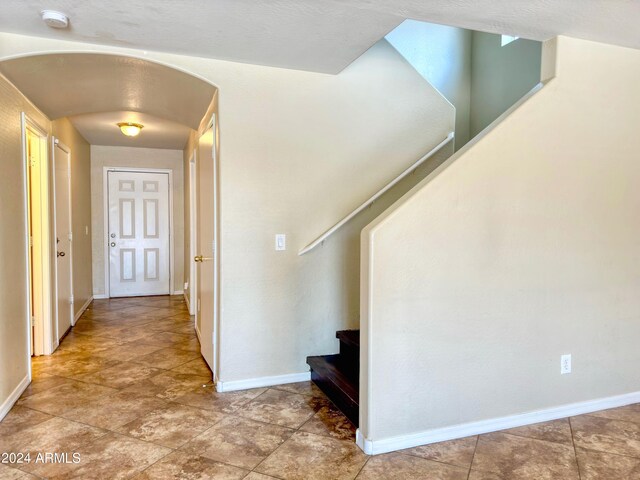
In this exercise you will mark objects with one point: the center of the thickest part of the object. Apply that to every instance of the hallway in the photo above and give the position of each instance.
(128, 391)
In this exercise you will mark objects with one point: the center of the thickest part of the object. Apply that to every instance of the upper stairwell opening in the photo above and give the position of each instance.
(481, 74)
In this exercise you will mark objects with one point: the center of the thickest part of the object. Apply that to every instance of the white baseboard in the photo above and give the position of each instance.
(262, 382)
(100, 296)
(198, 333)
(13, 398)
(385, 445)
(177, 292)
(186, 300)
(82, 309)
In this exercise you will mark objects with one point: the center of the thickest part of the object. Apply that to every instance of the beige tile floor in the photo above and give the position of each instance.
(128, 391)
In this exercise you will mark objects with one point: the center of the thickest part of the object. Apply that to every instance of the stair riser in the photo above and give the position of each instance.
(350, 352)
(346, 405)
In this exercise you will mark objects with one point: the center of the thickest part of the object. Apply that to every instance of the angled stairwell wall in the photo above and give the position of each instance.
(522, 247)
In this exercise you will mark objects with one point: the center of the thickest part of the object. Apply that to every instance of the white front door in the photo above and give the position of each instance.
(207, 281)
(138, 234)
(62, 208)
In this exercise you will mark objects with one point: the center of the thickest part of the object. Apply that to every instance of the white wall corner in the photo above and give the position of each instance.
(365, 445)
(549, 59)
(385, 445)
(262, 382)
(100, 296)
(14, 396)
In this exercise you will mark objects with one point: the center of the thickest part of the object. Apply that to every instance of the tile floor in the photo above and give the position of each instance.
(128, 391)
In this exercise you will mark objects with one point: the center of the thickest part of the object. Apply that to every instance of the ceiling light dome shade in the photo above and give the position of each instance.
(130, 129)
(55, 19)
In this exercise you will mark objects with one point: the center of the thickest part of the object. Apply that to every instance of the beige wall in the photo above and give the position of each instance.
(520, 249)
(298, 151)
(104, 156)
(14, 348)
(81, 211)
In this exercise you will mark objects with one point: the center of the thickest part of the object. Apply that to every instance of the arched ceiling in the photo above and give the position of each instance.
(321, 36)
(72, 84)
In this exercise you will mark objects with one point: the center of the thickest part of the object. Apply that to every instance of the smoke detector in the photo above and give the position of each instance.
(55, 19)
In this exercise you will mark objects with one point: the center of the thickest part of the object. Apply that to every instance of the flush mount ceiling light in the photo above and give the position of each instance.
(55, 19)
(130, 129)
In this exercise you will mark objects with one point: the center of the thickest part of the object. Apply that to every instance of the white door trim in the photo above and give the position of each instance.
(105, 214)
(43, 338)
(57, 143)
(193, 234)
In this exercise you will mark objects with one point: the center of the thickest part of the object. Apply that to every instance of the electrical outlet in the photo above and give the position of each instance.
(565, 364)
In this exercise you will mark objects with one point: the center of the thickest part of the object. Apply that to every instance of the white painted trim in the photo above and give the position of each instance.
(262, 382)
(82, 309)
(195, 325)
(42, 342)
(375, 447)
(27, 243)
(105, 214)
(186, 300)
(14, 396)
(100, 296)
(193, 229)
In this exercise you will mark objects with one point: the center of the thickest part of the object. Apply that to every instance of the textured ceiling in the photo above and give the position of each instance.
(76, 83)
(101, 129)
(322, 36)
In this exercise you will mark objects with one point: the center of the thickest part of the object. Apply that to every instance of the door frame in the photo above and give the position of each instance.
(105, 213)
(40, 332)
(55, 142)
(193, 234)
(217, 248)
(217, 289)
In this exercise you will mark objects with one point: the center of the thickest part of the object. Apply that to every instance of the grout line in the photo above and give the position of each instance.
(473, 457)
(403, 452)
(575, 451)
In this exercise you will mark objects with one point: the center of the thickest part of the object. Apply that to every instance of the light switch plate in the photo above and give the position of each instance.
(281, 241)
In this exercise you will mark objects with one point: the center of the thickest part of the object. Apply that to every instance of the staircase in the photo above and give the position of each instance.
(338, 375)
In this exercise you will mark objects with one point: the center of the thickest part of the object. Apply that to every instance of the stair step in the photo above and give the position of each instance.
(327, 372)
(349, 337)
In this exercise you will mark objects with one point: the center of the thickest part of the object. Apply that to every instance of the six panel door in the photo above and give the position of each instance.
(138, 235)
(64, 285)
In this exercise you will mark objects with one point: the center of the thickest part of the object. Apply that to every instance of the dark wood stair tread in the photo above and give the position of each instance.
(349, 337)
(327, 373)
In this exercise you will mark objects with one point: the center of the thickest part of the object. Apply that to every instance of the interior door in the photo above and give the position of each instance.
(138, 233)
(62, 208)
(207, 259)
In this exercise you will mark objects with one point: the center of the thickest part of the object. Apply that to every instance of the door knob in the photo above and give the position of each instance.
(113, 244)
(60, 254)
(200, 259)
